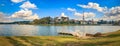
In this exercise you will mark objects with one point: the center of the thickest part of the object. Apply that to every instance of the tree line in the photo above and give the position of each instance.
(49, 20)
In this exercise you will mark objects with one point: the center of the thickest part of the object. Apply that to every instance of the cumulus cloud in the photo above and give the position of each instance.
(17, 1)
(35, 16)
(22, 13)
(86, 14)
(71, 9)
(3, 18)
(25, 14)
(112, 14)
(93, 6)
(96, 19)
(114, 11)
(109, 13)
(28, 5)
(63, 15)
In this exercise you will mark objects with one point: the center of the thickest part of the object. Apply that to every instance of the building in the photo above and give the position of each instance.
(62, 18)
(83, 22)
(92, 22)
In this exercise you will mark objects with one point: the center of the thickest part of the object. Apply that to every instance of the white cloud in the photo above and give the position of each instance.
(109, 14)
(113, 13)
(3, 18)
(63, 15)
(96, 19)
(86, 14)
(25, 14)
(93, 6)
(28, 5)
(35, 16)
(22, 13)
(71, 9)
(77, 14)
(17, 1)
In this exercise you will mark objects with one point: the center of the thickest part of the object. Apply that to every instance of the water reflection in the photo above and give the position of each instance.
(32, 30)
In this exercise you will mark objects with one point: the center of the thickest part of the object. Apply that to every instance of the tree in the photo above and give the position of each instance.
(45, 20)
(36, 21)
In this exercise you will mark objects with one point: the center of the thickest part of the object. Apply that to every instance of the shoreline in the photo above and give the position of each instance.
(62, 24)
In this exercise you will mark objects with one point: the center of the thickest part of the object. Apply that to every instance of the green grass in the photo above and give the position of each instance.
(111, 39)
(15, 42)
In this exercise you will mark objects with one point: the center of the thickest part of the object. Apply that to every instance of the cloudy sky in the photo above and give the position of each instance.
(18, 10)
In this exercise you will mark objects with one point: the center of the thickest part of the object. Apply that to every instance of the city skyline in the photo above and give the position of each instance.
(18, 10)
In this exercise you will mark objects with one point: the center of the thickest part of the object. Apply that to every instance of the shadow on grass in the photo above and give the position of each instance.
(70, 43)
(39, 42)
(108, 42)
(114, 35)
(14, 42)
(26, 40)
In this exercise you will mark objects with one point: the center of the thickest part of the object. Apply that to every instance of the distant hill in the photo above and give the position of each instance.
(16, 22)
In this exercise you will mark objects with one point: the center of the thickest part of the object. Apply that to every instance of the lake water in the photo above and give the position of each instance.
(37, 30)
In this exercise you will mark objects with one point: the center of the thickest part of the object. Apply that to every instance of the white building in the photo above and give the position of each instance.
(62, 17)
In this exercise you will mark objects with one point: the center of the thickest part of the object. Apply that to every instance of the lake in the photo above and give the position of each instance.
(37, 30)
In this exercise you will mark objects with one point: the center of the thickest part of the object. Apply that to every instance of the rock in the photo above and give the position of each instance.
(98, 34)
(91, 35)
(76, 34)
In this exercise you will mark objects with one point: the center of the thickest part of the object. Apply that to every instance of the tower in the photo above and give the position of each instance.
(83, 21)
(83, 16)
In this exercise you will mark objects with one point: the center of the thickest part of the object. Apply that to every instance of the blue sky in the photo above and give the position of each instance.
(54, 8)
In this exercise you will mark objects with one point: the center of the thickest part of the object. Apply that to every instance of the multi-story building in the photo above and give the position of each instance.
(62, 18)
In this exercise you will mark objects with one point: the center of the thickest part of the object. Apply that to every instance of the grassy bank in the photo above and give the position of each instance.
(110, 39)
